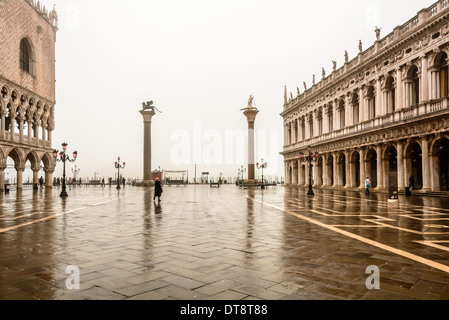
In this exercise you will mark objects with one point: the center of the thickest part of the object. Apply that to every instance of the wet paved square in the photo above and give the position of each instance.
(203, 243)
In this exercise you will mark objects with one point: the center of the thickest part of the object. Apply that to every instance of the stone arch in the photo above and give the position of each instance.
(439, 150)
(371, 159)
(413, 158)
(355, 163)
(342, 175)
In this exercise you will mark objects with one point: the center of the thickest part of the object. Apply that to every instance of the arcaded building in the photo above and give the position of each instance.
(383, 115)
(27, 88)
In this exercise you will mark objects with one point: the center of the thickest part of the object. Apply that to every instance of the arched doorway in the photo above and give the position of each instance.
(319, 177)
(355, 169)
(391, 166)
(441, 150)
(414, 164)
(330, 171)
(371, 167)
(341, 170)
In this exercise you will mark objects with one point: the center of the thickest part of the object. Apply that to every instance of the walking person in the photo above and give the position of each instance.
(41, 182)
(157, 190)
(367, 185)
(411, 182)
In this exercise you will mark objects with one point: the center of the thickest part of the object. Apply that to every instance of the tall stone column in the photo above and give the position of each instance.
(362, 168)
(400, 150)
(380, 176)
(147, 118)
(425, 164)
(251, 114)
(399, 90)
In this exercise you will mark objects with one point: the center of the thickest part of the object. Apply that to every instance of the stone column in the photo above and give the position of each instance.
(335, 163)
(362, 168)
(2, 177)
(20, 171)
(347, 170)
(35, 176)
(285, 135)
(425, 164)
(147, 118)
(399, 90)
(48, 178)
(21, 120)
(325, 172)
(2, 132)
(424, 79)
(380, 180)
(400, 150)
(251, 114)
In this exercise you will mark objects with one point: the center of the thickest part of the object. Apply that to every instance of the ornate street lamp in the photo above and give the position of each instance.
(311, 158)
(119, 166)
(241, 171)
(63, 158)
(262, 166)
(75, 172)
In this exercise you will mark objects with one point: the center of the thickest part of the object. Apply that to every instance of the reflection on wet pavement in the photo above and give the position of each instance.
(226, 244)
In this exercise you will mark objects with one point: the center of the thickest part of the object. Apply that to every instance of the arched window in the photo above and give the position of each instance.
(341, 114)
(25, 55)
(330, 118)
(390, 95)
(355, 108)
(443, 66)
(371, 97)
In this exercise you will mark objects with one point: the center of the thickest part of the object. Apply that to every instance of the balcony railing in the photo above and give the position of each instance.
(391, 119)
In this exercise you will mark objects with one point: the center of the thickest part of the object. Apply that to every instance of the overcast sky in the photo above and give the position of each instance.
(199, 61)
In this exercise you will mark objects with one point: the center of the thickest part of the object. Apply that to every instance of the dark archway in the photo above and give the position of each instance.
(371, 167)
(442, 149)
(414, 164)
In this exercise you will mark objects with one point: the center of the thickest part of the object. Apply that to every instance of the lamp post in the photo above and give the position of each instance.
(75, 172)
(241, 171)
(64, 158)
(119, 166)
(311, 158)
(262, 166)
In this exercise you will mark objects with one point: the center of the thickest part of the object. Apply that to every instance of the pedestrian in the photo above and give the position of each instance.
(41, 182)
(367, 186)
(157, 190)
(102, 182)
(124, 182)
(411, 182)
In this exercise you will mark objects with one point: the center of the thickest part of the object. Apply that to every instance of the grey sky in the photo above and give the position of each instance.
(199, 61)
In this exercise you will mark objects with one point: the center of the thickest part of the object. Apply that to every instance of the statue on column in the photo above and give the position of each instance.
(149, 106)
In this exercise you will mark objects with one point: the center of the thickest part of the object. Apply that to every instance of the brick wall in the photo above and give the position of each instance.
(18, 20)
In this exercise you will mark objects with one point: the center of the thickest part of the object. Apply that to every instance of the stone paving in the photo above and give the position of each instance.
(203, 243)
